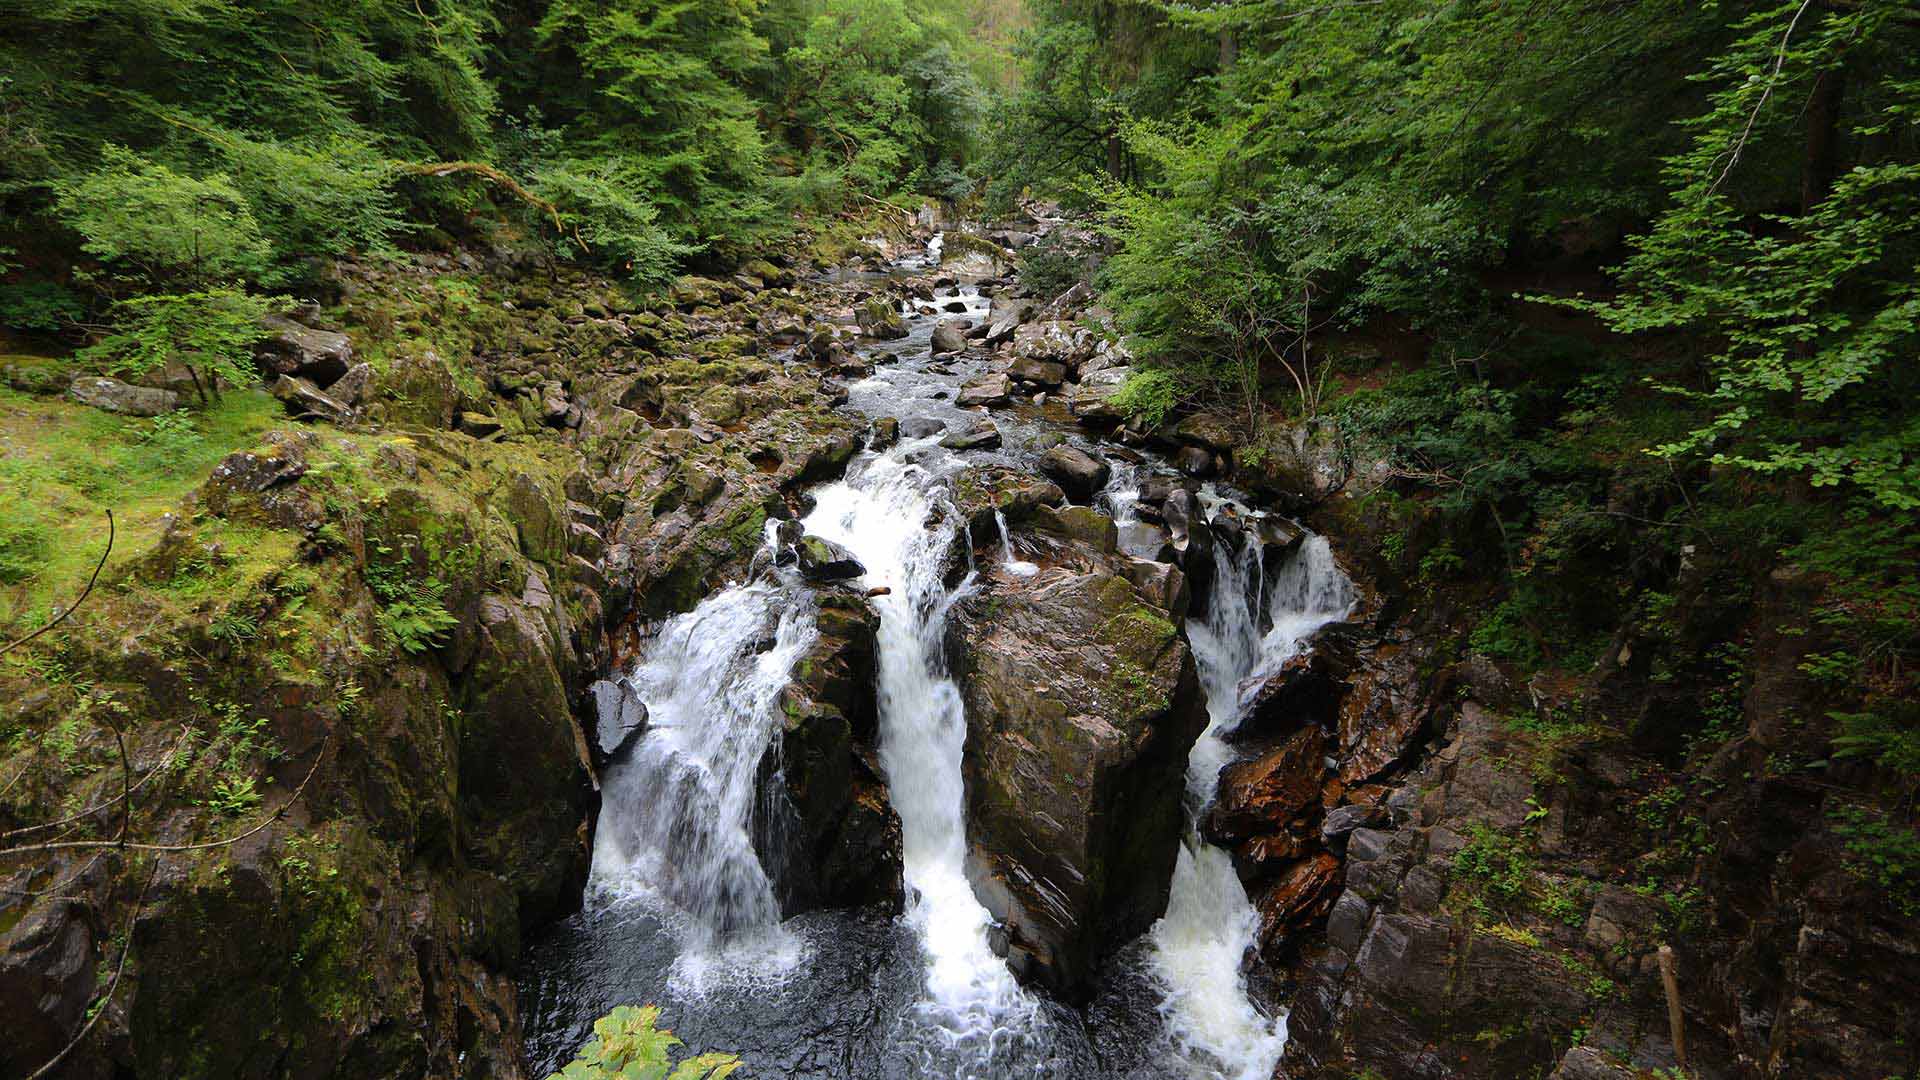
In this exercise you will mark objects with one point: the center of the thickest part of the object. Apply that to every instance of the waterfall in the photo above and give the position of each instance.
(1016, 567)
(1122, 493)
(675, 816)
(893, 515)
(1199, 945)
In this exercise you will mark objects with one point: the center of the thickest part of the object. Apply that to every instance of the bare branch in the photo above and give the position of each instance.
(1779, 63)
(75, 606)
(71, 845)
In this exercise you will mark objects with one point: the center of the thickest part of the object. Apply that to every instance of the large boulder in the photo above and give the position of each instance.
(950, 336)
(823, 560)
(1047, 373)
(1082, 703)
(1091, 400)
(1052, 339)
(1005, 317)
(114, 396)
(1079, 474)
(290, 348)
(878, 318)
(307, 401)
(994, 389)
(981, 436)
(826, 827)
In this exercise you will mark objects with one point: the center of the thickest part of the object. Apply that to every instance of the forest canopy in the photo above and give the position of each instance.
(634, 135)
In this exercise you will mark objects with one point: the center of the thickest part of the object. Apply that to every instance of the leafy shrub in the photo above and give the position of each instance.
(1888, 735)
(1054, 264)
(627, 1046)
(1150, 394)
(1495, 861)
(604, 220)
(171, 445)
(1883, 851)
(211, 333)
(142, 216)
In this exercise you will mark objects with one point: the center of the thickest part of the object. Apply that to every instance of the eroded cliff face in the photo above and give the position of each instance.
(406, 798)
(1467, 870)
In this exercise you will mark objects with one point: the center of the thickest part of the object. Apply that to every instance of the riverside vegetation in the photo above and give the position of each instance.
(378, 379)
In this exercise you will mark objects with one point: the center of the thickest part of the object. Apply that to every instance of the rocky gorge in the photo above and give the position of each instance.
(829, 658)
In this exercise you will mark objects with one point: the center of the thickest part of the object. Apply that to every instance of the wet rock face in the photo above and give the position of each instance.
(1078, 473)
(1082, 703)
(46, 980)
(1401, 967)
(826, 829)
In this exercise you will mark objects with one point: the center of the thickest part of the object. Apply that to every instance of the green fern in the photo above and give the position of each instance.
(418, 617)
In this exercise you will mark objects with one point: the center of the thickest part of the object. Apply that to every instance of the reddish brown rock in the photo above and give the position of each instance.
(1381, 717)
(1262, 793)
(1300, 896)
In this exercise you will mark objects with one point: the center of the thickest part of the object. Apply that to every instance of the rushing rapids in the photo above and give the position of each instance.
(1199, 946)
(681, 912)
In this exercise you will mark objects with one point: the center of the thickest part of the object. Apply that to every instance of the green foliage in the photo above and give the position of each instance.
(233, 795)
(1498, 863)
(1883, 851)
(1815, 312)
(191, 143)
(873, 92)
(1055, 263)
(1230, 266)
(662, 85)
(210, 332)
(606, 219)
(627, 1046)
(1888, 735)
(1150, 394)
(39, 305)
(143, 217)
(413, 609)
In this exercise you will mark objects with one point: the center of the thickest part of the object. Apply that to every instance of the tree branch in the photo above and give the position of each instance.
(75, 606)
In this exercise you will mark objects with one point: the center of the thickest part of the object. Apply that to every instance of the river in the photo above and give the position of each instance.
(680, 913)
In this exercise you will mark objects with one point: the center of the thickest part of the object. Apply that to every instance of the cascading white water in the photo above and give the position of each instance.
(891, 513)
(1200, 944)
(1016, 567)
(1122, 493)
(677, 809)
